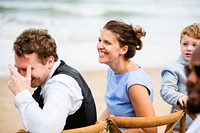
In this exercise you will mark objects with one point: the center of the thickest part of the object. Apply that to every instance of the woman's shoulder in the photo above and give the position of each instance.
(138, 75)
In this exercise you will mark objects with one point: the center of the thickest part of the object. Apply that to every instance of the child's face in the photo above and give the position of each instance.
(188, 44)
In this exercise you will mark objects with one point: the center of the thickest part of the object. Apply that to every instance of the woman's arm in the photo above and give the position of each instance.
(143, 107)
(104, 115)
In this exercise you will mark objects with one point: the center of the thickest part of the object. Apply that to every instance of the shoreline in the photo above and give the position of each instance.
(10, 120)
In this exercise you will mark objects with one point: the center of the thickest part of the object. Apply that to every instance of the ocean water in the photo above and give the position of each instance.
(76, 25)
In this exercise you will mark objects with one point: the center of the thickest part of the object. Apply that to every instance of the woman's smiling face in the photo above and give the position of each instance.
(108, 47)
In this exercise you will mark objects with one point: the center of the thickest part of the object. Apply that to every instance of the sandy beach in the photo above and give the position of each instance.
(10, 121)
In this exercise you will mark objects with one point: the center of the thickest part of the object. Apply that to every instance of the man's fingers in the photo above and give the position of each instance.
(13, 70)
(28, 72)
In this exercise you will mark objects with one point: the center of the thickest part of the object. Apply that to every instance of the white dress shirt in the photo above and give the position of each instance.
(195, 126)
(62, 97)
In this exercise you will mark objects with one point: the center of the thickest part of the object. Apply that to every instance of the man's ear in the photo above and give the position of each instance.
(50, 62)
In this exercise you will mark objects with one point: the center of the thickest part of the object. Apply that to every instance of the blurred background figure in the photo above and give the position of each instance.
(193, 86)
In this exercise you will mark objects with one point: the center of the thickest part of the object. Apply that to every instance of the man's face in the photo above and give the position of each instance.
(193, 83)
(39, 71)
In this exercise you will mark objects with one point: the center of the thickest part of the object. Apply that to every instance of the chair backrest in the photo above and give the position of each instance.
(96, 128)
(144, 122)
(114, 123)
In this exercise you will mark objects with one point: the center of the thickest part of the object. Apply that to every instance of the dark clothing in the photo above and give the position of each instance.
(86, 114)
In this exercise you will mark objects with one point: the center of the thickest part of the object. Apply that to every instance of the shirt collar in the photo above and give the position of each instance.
(182, 60)
(55, 66)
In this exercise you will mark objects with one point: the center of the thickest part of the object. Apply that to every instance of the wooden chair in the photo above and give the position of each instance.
(115, 123)
(143, 122)
(96, 128)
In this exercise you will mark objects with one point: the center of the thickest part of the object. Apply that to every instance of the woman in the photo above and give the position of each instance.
(129, 91)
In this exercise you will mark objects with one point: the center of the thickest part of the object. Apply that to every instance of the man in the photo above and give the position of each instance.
(62, 99)
(193, 86)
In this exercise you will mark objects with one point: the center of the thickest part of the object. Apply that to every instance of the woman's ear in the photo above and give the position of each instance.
(124, 49)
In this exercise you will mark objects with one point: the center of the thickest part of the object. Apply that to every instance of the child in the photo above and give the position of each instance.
(173, 89)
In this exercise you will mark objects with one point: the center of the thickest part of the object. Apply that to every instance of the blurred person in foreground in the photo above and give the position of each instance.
(62, 99)
(193, 87)
(129, 90)
(173, 89)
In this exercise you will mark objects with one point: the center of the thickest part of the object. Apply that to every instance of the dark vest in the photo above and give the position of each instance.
(86, 114)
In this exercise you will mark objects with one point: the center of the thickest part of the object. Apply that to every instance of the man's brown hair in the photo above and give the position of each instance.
(36, 41)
